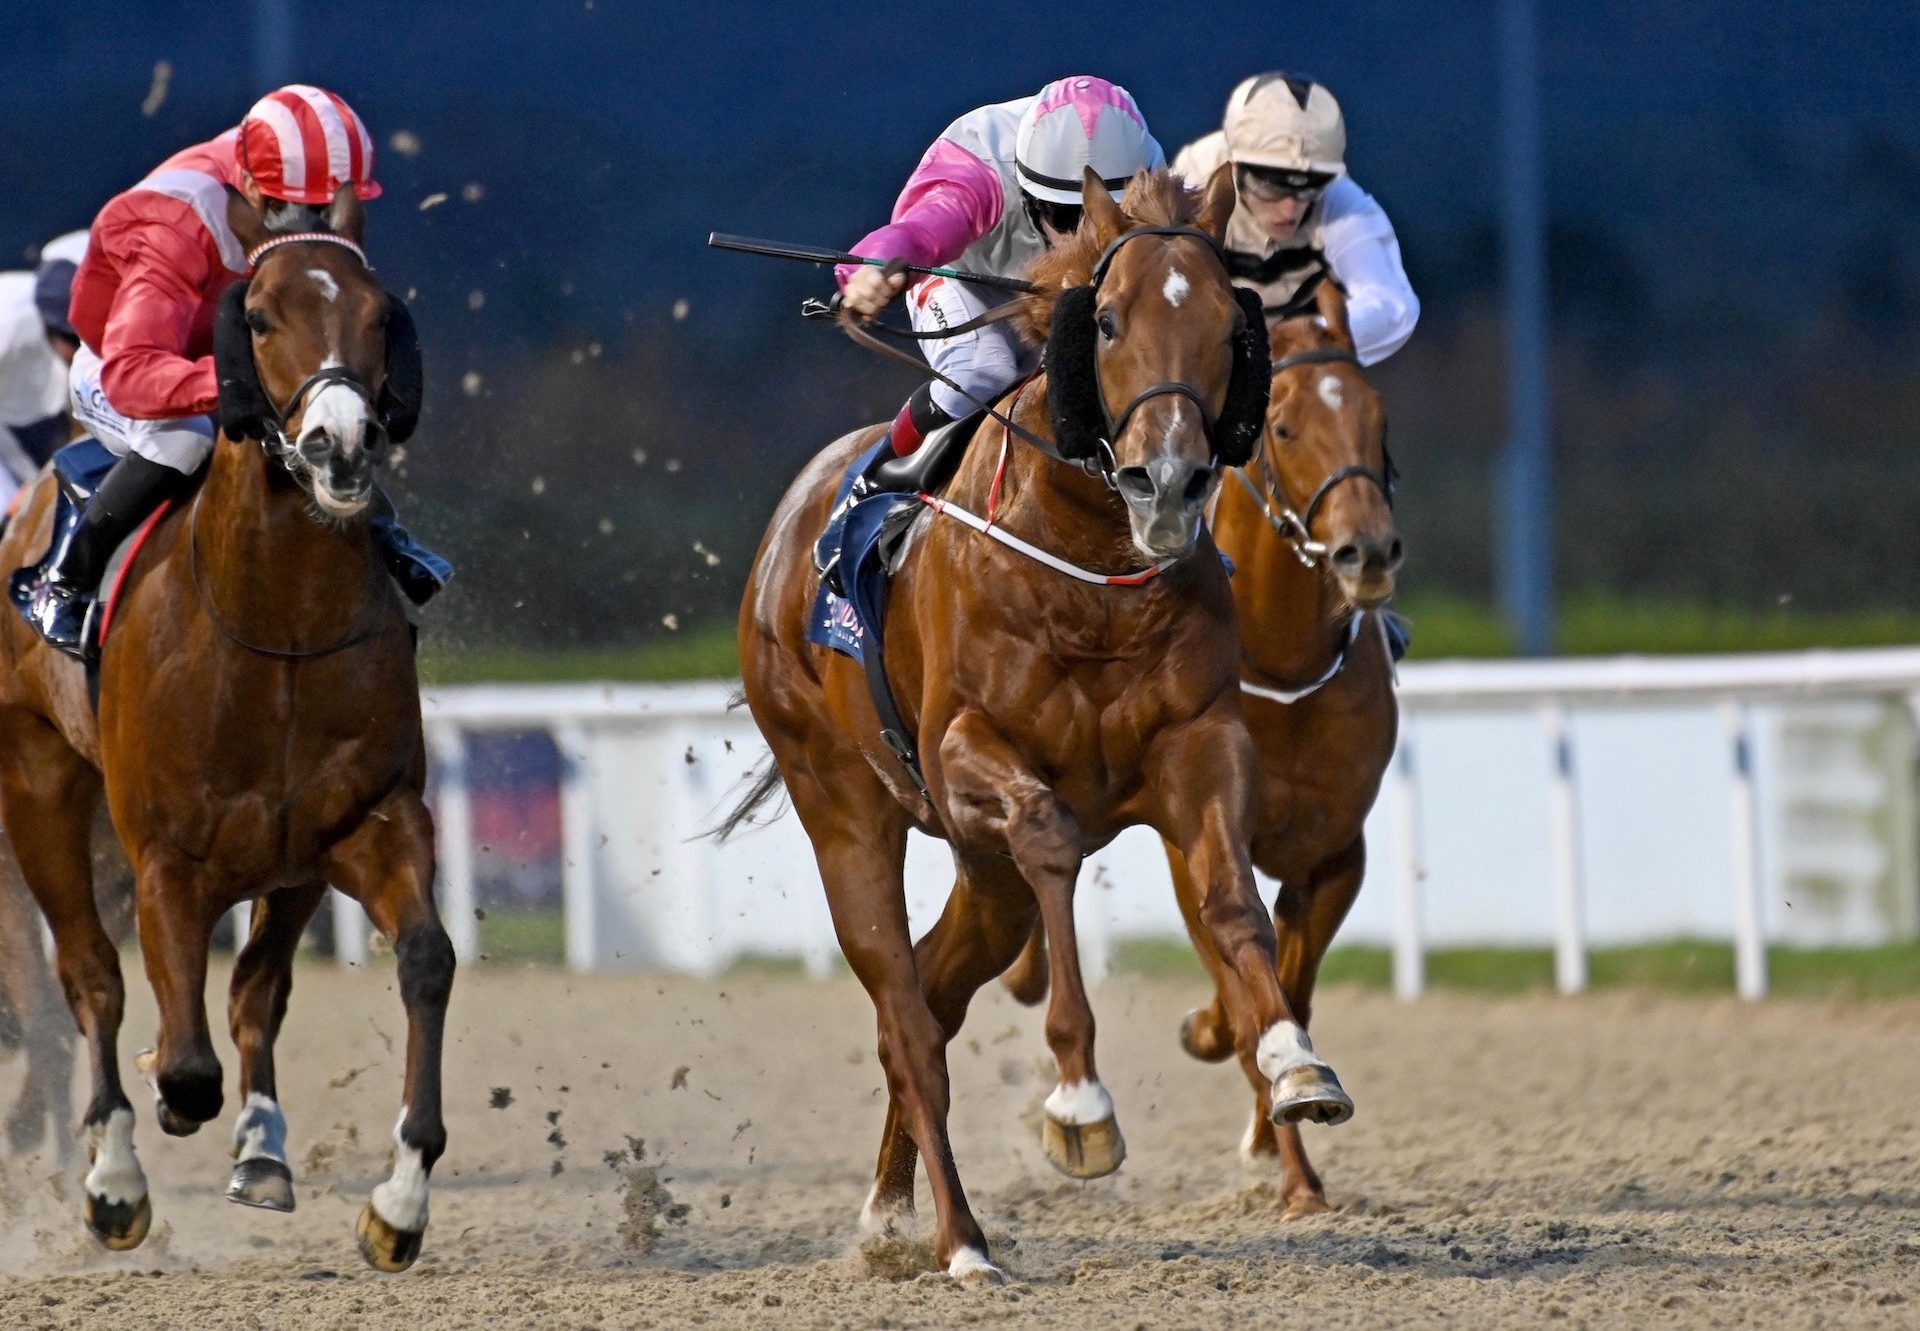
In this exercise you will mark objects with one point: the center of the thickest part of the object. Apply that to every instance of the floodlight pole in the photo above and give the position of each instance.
(1525, 517)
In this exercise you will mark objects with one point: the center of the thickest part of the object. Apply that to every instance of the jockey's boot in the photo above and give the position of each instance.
(58, 604)
(421, 574)
(892, 470)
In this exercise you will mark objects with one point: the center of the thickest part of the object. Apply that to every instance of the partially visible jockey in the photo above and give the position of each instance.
(1300, 217)
(36, 345)
(144, 300)
(998, 186)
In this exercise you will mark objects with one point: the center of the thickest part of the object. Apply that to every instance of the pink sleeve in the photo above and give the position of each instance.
(951, 200)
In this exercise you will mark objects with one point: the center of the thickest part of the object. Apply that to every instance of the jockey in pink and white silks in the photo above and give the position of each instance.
(1300, 217)
(999, 186)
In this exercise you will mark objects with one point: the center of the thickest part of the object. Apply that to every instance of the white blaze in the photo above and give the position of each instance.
(336, 411)
(324, 279)
(1330, 392)
(1176, 288)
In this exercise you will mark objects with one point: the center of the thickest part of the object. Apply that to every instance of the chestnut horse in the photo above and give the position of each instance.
(1049, 711)
(1309, 526)
(258, 736)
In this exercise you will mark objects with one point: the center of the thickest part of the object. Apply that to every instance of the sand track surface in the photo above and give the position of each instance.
(674, 1153)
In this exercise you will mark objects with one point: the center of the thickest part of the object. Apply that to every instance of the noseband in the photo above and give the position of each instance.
(274, 441)
(1296, 528)
(1172, 387)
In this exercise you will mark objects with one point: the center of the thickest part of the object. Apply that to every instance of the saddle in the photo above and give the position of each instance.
(873, 510)
(78, 469)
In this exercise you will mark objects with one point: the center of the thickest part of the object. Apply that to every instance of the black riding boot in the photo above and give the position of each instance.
(894, 468)
(421, 573)
(58, 605)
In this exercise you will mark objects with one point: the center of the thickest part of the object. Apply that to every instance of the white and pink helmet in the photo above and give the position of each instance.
(1077, 122)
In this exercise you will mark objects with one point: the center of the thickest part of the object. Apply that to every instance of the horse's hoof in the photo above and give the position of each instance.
(171, 1123)
(119, 1225)
(263, 1182)
(970, 1267)
(384, 1247)
(1201, 1038)
(1305, 1205)
(1083, 1150)
(1310, 1093)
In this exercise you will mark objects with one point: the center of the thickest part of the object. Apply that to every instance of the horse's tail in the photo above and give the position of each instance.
(1026, 979)
(766, 783)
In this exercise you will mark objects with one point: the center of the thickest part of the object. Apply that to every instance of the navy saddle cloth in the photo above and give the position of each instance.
(864, 534)
(80, 467)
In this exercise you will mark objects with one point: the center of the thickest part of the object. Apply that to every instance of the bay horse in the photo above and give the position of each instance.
(258, 735)
(1310, 528)
(1049, 711)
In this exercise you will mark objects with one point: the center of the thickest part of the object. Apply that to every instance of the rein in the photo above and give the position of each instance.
(232, 635)
(1296, 528)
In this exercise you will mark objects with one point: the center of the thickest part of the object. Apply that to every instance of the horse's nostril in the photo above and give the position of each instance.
(1134, 482)
(1395, 553)
(1198, 484)
(1347, 556)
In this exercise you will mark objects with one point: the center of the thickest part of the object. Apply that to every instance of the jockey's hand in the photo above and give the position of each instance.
(868, 291)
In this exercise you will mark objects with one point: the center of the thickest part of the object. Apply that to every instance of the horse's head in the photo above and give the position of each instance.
(1156, 370)
(314, 359)
(1326, 453)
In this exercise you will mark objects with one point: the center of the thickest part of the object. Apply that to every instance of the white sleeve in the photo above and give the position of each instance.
(1364, 256)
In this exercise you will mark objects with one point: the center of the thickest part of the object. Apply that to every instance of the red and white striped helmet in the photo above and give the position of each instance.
(303, 143)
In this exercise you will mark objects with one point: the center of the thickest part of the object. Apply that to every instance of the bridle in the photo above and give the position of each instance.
(1115, 426)
(1296, 528)
(273, 440)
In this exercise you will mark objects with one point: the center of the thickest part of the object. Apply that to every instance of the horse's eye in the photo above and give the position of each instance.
(257, 321)
(1105, 323)
(1280, 430)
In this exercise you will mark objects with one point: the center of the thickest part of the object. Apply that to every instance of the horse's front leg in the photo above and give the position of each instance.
(1203, 781)
(993, 797)
(256, 1004)
(176, 918)
(387, 865)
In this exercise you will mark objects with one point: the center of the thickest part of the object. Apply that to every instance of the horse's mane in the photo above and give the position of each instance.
(1153, 198)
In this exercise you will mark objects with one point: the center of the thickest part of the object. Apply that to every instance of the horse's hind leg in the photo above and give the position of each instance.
(256, 1005)
(44, 1030)
(993, 796)
(387, 866)
(988, 918)
(859, 839)
(47, 798)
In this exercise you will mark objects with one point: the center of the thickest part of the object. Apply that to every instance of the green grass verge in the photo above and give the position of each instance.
(1442, 627)
(1685, 967)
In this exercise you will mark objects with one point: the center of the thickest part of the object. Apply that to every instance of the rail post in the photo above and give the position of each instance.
(1409, 954)
(1749, 918)
(1569, 898)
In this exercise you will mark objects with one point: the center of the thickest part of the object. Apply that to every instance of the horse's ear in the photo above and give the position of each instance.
(1073, 385)
(1244, 416)
(345, 216)
(1331, 301)
(1097, 207)
(244, 220)
(405, 384)
(245, 410)
(1216, 202)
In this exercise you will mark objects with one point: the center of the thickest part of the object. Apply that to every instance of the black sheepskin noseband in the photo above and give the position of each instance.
(1079, 415)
